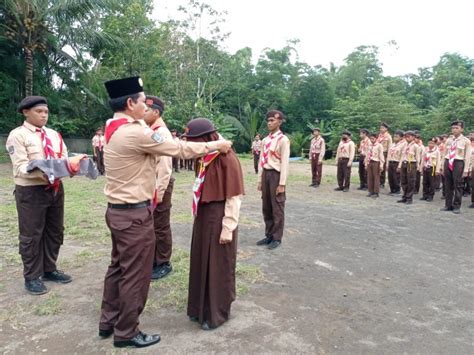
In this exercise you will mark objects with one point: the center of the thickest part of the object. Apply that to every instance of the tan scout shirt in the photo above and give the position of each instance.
(411, 153)
(375, 153)
(346, 150)
(98, 139)
(463, 150)
(431, 158)
(364, 146)
(256, 146)
(472, 160)
(395, 151)
(231, 215)
(386, 141)
(318, 146)
(24, 144)
(130, 160)
(278, 157)
(164, 167)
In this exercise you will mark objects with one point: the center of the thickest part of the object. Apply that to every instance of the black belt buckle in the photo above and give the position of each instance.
(126, 206)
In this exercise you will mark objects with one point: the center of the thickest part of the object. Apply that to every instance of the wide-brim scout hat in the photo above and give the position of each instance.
(32, 101)
(199, 127)
(124, 87)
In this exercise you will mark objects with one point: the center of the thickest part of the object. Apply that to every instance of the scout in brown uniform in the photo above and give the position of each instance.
(408, 166)
(256, 148)
(217, 195)
(374, 163)
(344, 158)
(40, 204)
(163, 194)
(316, 154)
(419, 142)
(442, 151)
(430, 168)
(130, 164)
(471, 137)
(394, 155)
(386, 140)
(363, 150)
(456, 166)
(272, 175)
(98, 142)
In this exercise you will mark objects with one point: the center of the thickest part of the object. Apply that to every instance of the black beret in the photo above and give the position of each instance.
(384, 124)
(155, 102)
(399, 132)
(317, 129)
(364, 130)
(409, 133)
(458, 123)
(199, 127)
(31, 101)
(346, 132)
(277, 114)
(124, 87)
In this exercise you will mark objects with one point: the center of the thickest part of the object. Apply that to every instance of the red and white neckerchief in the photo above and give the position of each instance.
(452, 153)
(407, 150)
(429, 155)
(363, 145)
(342, 147)
(316, 144)
(50, 154)
(382, 137)
(370, 152)
(112, 125)
(266, 146)
(198, 183)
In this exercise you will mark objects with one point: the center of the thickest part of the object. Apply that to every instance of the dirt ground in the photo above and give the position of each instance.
(353, 276)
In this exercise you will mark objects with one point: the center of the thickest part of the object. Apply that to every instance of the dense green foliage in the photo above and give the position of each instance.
(65, 50)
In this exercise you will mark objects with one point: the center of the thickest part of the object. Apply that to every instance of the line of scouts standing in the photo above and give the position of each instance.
(135, 152)
(446, 163)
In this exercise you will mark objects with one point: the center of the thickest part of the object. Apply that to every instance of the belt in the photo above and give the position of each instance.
(270, 170)
(125, 206)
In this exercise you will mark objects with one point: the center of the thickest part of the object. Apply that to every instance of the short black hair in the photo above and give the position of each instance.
(277, 114)
(120, 103)
(373, 135)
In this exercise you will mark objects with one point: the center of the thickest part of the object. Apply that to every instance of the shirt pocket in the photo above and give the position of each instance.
(34, 152)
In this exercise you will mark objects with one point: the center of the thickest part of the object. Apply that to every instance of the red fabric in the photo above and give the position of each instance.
(266, 147)
(452, 154)
(198, 184)
(112, 126)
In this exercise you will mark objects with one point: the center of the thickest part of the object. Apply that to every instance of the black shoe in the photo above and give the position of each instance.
(375, 195)
(140, 340)
(360, 188)
(274, 244)
(445, 209)
(456, 211)
(206, 326)
(345, 190)
(403, 200)
(429, 199)
(193, 319)
(409, 202)
(471, 205)
(35, 287)
(370, 194)
(105, 333)
(423, 198)
(160, 271)
(57, 276)
(312, 185)
(265, 241)
(338, 189)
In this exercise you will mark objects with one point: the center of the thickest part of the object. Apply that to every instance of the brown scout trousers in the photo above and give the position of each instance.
(256, 160)
(273, 205)
(41, 226)
(316, 169)
(362, 172)
(373, 176)
(429, 182)
(393, 177)
(127, 279)
(472, 185)
(384, 170)
(343, 173)
(454, 183)
(408, 179)
(161, 221)
(100, 160)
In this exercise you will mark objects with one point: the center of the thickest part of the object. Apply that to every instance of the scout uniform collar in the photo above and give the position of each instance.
(123, 115)
(31, 127)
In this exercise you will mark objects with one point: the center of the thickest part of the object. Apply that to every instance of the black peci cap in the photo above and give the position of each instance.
(346, 132)
(124, 87)
(458, 123)
(30, 102)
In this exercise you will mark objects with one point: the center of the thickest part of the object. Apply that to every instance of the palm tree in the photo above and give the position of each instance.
(36, 25)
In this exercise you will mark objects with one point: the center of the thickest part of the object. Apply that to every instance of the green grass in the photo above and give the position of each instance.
(50, 306)
(172, 291)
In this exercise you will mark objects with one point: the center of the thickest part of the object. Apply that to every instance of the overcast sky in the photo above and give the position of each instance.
(329, 30)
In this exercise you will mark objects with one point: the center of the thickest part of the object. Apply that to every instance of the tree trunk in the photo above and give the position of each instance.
(28, 72)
